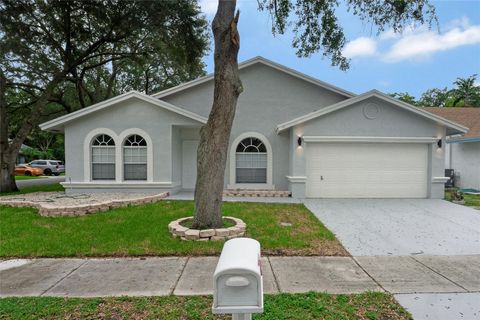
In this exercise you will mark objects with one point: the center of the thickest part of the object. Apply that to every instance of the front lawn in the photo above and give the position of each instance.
(471, 200)
(366, 306)
(40, 188)
(142, 230)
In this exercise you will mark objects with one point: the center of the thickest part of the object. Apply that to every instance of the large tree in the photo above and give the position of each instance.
(435, 98)
(57, 56)
(316, 27)
(467, 92)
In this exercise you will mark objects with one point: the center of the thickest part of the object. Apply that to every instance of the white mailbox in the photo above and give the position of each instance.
(238, 280)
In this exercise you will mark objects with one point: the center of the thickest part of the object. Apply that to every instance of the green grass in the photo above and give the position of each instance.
(42, 188)
(308, 306)
(17, 178)
(471, 200)
(142, 230)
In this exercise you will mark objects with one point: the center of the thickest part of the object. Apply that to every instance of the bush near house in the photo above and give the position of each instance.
(471, 200)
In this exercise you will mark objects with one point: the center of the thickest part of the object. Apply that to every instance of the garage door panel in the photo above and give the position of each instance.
(366, 170)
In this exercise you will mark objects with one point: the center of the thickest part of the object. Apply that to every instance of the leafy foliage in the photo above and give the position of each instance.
(405, 97)
(34, 153)
(466, 93)
(316, 26)
(435, 97)
(59, 56)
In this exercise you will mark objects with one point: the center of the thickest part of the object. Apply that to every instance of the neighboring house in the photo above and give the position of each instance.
(291, 132)
(462, 153)
(21, 156)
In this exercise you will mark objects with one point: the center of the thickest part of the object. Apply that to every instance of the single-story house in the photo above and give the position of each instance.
(291, 133)
(21, 158)
(462, 153)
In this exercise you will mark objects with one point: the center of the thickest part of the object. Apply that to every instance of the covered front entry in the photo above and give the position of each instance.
(189, 164)
(366, 170)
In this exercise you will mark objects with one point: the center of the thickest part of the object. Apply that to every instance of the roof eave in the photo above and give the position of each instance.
(464, 140)
(248, 63)
(372, 93)
(58, 123)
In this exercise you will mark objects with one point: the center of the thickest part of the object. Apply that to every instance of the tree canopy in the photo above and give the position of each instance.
(57, 56)
(465, 93)
(316, 25)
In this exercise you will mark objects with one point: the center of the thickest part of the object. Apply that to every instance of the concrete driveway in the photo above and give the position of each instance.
(399, 227)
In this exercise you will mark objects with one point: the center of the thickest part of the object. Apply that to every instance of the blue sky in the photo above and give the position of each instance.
(414, 61)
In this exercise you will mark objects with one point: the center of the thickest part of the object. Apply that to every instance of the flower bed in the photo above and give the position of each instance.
(178, 230)
(59, 204)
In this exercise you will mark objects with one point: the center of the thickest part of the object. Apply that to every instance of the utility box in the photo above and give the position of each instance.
(238, 280)
(450, 173)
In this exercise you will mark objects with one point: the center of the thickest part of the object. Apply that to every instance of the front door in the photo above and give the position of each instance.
(189, 164)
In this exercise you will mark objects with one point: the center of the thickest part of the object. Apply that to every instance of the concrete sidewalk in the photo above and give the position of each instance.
(193, 276)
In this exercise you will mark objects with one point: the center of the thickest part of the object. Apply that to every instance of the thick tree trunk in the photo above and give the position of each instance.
(7, 167)
(214, 136)
(9, 150)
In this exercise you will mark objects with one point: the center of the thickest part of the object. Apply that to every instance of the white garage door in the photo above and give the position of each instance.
(366, 170)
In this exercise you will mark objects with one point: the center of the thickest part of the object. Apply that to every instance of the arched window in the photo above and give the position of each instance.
(103, 158)
(135, 158)
(251, 161)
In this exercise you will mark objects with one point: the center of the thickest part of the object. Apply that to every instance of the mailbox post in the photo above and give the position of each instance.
(238, 280)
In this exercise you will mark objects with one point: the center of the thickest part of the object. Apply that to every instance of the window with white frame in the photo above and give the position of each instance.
(103, 158)
(251, 161)
(135, 158)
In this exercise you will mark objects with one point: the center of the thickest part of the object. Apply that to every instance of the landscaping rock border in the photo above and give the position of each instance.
(83, 209)
(256, 193)
(177, 230)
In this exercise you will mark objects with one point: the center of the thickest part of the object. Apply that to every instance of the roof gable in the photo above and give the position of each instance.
(57, 123)
(373, 93)
(251, 62)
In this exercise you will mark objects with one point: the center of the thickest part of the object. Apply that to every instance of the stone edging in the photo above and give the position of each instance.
(83, 209)
(177, 230)
(256, 193)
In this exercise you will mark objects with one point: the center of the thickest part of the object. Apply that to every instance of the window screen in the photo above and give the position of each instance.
(103, 158)
(251, 161)
(135, 158)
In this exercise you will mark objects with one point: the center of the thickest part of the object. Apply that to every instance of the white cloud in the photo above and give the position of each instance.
(422, 43)
(463, 22)
(360, 47)
(415, 43)
(389, 34)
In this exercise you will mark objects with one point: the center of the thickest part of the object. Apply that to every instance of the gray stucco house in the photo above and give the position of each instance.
(291, 132)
